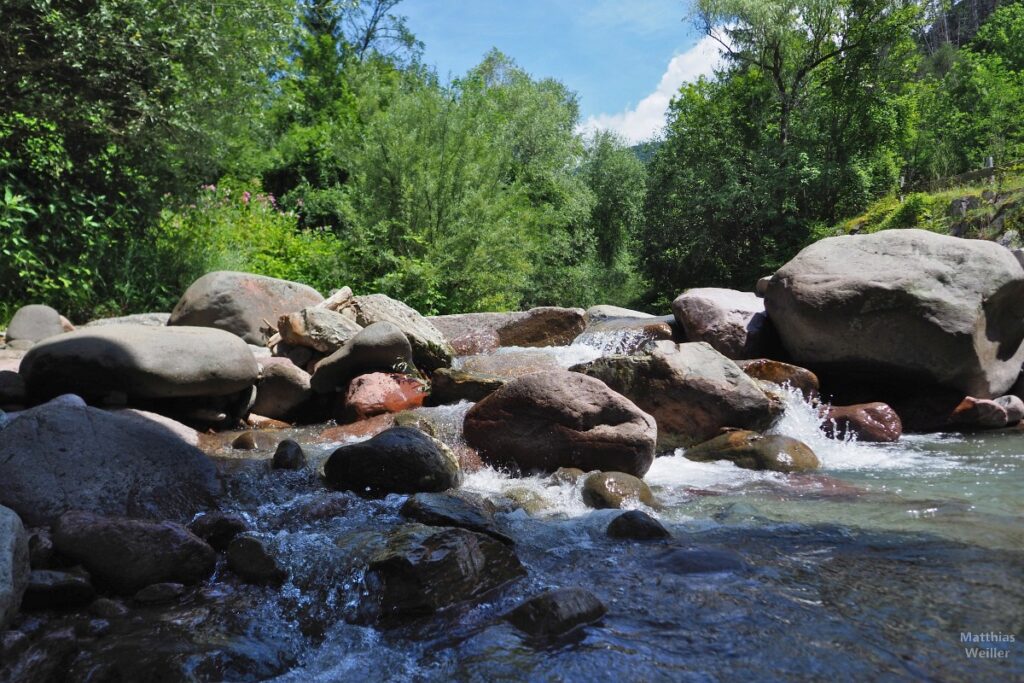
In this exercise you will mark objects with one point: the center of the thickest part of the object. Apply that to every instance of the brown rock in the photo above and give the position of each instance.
(875, 422)
(561, 419)
(451, 386)
(379, 392)
(979, 413)
(733, 322)
(282, 391)
(782, 374)
(753, 451)
(474, 333)
(602, 490)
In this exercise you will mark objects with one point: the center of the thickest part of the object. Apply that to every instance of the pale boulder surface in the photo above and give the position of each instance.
(471, 333)
(691, 390)
(906, 306)
(243, 304)
(733, 322)
(34, 323)
(64, 455)
(14, 565)
(554, 419)
(140, 362)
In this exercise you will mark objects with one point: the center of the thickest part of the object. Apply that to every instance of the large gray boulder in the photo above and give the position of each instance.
(243, 304)
(34, 323)
(380, 346)
(14, 566)
(733, 322)
(430, 349)
(148, 319)
(545, 421)
(471, 333)
(140, 361)
(64, 456)
(905, 306)
(691, 390)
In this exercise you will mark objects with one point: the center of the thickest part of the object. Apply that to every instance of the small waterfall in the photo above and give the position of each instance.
(615, 341)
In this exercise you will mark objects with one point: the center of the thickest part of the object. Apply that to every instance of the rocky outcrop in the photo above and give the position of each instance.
(378, 393)
(473, 333)
(691, 390)
(381, 346)
(65, 456)
(34, 323)
(424, 569)
(430, 349)
(753, 451)
(129, 554)
(243, 304)
(135, 362)
(561, 419)
(556, 612)
(398, 460)
(848, 305)
(874, 422)
(14, 566)
(734, 323)
(603, 490)
(317, 328)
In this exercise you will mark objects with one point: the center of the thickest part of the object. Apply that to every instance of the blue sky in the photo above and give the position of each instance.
(624, 58)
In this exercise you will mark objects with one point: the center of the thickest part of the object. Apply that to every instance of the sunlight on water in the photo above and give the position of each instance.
(611, 342)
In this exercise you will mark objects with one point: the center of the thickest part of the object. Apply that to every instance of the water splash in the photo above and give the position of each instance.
(611, 342)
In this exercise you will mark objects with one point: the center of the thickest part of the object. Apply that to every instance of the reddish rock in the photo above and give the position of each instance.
(358, 430)
(561, 419)
(876, 422)
(979, 413)
(380, 392)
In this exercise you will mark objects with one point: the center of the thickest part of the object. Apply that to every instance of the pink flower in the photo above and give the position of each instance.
(245, 197)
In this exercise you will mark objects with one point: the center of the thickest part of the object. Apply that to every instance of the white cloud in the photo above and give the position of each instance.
(648, 117)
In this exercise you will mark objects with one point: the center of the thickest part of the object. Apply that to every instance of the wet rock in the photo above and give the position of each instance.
(782, 374)
(453, 510)
(14, 565)
(398, 460)
(847, 306)
(148, 319)
(12, 389)
(637, 525)
(288, 456)
(473, 333)
(979, 413)
(58, 457)
(1013, 406)
(283, 390)
(137, 362)
(243, 304)
(378, 393)
(219, 528)
(50, 589)
(108, 608)
(129, 554)
(34, 323)
(358, 430)
(430, 349)
(317, 328)
(40, 549)
(874, 422)
(733, 323)
(160, 593)
(690, 389)
(700, 561)
(561, 419)
(524, 498)
(567, 475)
(753, 451)
(424, 569)
(246, 441)
(451, 386)
(381, 346)
(556, 612)
(250, 557)
(627, 335)
(604, 490)
(761, 288)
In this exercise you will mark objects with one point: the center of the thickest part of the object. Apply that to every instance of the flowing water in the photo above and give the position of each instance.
(870, 569)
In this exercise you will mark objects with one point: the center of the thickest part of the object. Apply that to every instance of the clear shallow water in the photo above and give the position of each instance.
(867, 570)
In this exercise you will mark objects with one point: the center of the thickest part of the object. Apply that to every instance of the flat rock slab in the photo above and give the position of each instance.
(140, 361)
